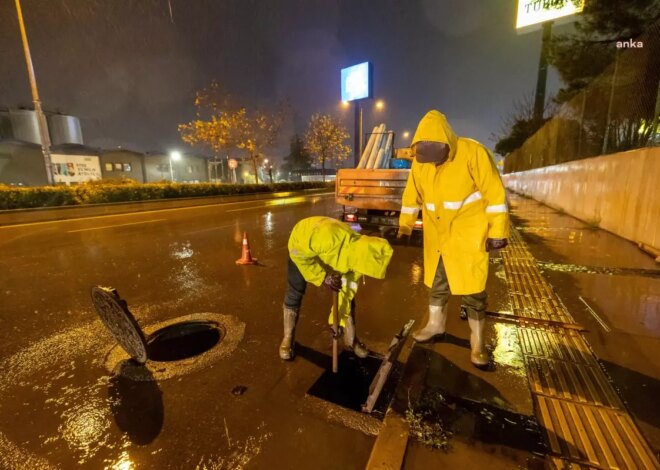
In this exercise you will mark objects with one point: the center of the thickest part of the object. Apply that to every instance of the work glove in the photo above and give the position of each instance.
(496, 243)
(403, 238)
(332, 282)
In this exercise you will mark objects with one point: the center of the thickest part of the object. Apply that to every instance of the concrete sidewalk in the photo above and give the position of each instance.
(547, 400)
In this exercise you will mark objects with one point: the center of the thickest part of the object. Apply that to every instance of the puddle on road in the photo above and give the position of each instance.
(87, 417)
(576, 268)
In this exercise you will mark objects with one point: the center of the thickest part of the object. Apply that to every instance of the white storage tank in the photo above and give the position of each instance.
(65, 129)
(25, 126)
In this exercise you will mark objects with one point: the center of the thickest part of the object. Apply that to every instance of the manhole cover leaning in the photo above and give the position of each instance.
(114, 313)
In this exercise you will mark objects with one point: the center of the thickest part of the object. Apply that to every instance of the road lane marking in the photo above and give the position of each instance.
(270, 206)
(117, 225)
(212, 228)
(124, 214)
(600, 321)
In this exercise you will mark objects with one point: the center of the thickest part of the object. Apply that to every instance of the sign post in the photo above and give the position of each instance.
(232, 163)
(534, 15)
(356, 85)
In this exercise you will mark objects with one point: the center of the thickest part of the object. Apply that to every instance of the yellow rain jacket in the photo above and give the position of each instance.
(322, 245)
(463, 202)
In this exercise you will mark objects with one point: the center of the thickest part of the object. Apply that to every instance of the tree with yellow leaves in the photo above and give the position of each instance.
(324, 140)
(221, 124)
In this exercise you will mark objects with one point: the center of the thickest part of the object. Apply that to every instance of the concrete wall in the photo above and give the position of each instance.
(122, 163)
(22, 164)
(617, 192)
(187, 170)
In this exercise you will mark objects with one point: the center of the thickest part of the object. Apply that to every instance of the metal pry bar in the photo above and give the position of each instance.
(385, 368)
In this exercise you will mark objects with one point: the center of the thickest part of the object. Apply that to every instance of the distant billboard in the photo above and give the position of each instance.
(357, 82)
(532, 13)
(75, 168)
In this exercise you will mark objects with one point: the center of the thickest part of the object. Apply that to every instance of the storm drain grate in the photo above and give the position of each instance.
(584, 420)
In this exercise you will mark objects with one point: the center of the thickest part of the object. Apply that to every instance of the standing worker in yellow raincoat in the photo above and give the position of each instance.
(455, 183)
(324, 251)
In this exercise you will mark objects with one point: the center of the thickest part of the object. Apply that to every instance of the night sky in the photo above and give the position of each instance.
(130, 70)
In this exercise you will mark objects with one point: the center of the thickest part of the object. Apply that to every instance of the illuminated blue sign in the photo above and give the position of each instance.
(356, 82)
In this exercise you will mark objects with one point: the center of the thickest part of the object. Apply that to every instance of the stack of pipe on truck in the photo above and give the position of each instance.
(378, 152)
(371, 193)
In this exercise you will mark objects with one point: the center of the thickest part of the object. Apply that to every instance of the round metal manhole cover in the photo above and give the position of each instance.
(119, 320)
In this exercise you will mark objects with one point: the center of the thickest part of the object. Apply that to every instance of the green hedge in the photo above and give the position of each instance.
(12, 197)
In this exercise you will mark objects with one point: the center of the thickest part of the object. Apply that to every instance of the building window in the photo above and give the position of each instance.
(108, 167)
(127, 167)
(118, 167)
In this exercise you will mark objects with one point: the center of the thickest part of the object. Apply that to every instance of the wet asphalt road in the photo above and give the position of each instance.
(60, 402)
(66, 402)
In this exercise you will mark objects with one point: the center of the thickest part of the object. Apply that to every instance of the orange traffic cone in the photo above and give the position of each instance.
(246, 257)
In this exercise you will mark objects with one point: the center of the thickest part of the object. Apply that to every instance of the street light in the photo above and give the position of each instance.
(41, 119)
(345, 104)
(406, 134)
(176, 156)
(380, 104)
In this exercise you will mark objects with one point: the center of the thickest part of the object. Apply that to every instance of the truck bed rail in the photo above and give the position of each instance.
(378, 189)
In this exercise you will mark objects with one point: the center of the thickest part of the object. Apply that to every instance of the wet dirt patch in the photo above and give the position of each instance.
(180, 346)
(461, 406)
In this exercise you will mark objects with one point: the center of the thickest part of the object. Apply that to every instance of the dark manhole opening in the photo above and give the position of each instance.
(184, 340)
(349, 388)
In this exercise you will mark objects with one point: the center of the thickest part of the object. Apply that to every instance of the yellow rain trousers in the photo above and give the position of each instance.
(322, 245)
(463, 202)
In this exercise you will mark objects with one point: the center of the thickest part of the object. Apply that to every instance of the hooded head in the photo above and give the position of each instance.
(370, 256)
(435, 140)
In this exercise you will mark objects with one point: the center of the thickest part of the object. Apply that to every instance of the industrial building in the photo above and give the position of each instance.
(22, 162)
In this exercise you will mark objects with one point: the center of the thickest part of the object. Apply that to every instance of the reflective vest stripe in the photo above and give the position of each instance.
(351, 285)
(496, 208)
(430, 206)
(456, 205)
(409, 210)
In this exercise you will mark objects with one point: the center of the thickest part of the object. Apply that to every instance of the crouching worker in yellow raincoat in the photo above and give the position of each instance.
(324, 251)
(455, 183)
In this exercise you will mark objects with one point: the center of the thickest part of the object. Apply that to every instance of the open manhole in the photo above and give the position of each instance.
(183, 340)
(169, 348)
(349, 387)
(171, 343)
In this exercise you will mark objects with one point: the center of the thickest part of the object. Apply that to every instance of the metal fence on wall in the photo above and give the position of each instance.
(618, 111)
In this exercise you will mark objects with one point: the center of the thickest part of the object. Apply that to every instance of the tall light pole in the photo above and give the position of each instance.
(176, 156)
(357, 144)
(542, 76)
(41, 119)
